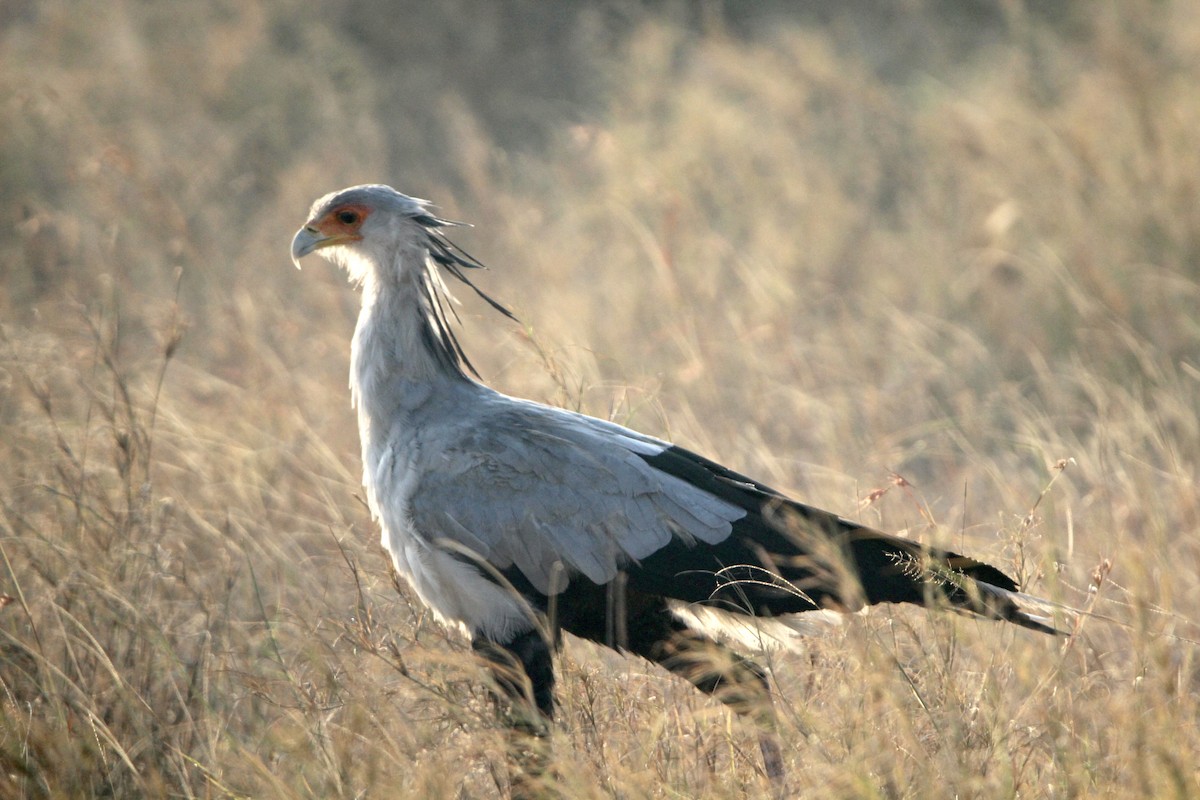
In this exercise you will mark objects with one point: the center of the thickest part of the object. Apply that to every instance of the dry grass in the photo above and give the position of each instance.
(955, 242)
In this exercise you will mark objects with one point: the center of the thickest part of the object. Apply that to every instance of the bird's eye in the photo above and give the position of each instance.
(347, 217)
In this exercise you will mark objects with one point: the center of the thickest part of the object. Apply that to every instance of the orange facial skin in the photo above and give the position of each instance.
(342, 223)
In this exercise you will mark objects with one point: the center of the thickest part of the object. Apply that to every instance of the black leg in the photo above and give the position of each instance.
(524, 671)
(716, 670)
(626, 618)
(713, 669)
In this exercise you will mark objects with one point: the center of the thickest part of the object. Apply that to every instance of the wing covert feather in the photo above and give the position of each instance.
(533, 487)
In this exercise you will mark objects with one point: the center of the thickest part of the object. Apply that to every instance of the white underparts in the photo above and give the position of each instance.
(458, 592)
(757, 634)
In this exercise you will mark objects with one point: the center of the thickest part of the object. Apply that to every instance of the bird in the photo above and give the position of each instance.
(517, 520)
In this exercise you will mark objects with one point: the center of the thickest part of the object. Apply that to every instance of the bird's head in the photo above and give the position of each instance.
(381, 237)
(362, 226)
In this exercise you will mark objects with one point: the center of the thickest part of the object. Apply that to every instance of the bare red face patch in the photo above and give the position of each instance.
(344, 221)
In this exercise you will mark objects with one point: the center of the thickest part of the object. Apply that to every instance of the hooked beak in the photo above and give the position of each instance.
(309, 238)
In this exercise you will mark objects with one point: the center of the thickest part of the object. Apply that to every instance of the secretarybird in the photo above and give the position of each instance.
(517, 519)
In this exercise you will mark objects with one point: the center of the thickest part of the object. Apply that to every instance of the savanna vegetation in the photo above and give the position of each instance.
(933, 265)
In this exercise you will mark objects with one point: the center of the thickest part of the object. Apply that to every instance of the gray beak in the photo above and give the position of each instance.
(306, 240)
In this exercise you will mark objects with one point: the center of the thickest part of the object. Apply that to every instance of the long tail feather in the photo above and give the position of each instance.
(1026, 610)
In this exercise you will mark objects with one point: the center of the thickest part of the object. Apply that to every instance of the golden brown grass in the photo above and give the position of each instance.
(955, 243)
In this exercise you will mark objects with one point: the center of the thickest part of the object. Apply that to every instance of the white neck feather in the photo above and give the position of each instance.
(396, 349)
(395, 368)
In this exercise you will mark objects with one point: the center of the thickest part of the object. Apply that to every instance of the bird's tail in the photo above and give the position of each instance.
(883, 568)
(1022, 609)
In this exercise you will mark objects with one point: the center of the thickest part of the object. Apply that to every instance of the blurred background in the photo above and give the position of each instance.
(827, 243)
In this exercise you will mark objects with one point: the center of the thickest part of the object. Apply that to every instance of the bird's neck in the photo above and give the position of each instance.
(398, 359)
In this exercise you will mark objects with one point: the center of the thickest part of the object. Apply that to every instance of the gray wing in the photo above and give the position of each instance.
(534, 487)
